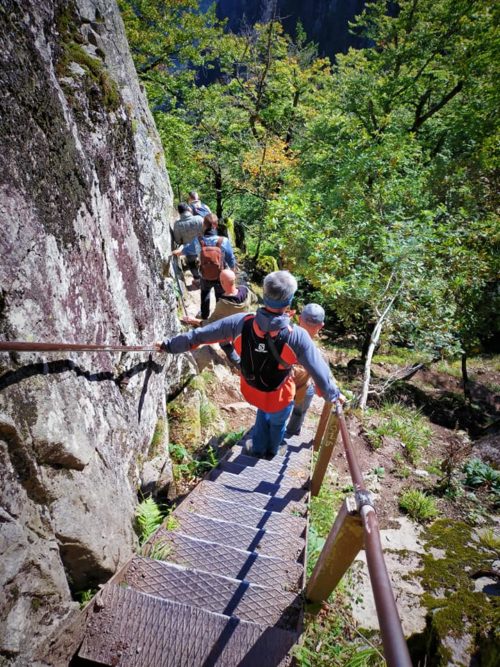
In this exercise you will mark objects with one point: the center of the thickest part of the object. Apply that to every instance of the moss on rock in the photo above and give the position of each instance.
(456, 610)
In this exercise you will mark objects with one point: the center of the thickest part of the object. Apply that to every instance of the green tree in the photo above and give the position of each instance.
(393, 199)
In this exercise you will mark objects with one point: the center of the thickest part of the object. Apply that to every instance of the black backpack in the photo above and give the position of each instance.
(261, 357)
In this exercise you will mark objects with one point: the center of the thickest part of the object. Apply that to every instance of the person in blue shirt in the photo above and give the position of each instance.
(210, 281)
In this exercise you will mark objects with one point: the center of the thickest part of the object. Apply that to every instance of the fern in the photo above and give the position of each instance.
(148, 517)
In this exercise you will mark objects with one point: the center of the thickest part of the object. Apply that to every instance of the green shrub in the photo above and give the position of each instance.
(405, 424)
(208, 414)
(232, 438)
(418, 505)
(186, 467)
(478, 473)
(84, 597)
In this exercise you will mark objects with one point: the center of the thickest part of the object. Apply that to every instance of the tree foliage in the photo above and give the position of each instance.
(374, 180)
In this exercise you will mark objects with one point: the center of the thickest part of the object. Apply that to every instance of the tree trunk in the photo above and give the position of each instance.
(465, 377)
(219, 210)
(374, 338)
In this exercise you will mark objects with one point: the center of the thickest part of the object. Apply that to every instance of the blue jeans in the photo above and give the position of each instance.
(205, 289)
(269, 430)
(299, 412)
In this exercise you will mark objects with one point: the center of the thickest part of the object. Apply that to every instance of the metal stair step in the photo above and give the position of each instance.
(294, 454)
(260, 474)
(299, 469)
(201, 503)
(129, 629)
(255, 484)
(284, 546)
(212, 592)
(211, 557)
(287, 506)
(296, 442)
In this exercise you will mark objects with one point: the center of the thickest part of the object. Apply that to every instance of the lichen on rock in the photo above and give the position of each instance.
(86, 208)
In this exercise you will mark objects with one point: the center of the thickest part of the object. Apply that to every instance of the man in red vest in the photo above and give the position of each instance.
(268, 345)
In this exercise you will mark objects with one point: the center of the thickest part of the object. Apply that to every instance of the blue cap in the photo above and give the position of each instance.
(313, 314)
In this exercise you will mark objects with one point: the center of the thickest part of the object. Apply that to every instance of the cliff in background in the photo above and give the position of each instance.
(326, 22)
(85, 204)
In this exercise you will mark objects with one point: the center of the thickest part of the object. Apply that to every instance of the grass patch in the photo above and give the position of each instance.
(406, 424)
(160, 550)
(94, 70)
(450, 367)
(418, 505)
(158, 438)
(208, 413)
(401, 356)
(232, 437)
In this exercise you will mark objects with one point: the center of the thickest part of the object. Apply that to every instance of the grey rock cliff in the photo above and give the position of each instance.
(85, 206)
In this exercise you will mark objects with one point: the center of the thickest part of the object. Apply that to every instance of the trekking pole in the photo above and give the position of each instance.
(179, 287)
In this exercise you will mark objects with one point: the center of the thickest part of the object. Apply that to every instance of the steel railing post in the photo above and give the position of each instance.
(323, 421)
(342, 546)
(325, 453)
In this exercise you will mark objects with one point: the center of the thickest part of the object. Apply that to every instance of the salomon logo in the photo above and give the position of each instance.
(261, 348)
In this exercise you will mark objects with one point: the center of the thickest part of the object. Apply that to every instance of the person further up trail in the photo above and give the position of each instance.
(186, 229)
(235, 299)
(268, 345)
(312, 319)
(215, 253)
(197, 206)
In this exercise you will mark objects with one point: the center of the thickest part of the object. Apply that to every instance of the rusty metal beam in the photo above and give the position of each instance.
(325, 453)
(22, 346)
(342, 546)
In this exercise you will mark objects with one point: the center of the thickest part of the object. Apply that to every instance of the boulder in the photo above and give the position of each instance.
(85, 204)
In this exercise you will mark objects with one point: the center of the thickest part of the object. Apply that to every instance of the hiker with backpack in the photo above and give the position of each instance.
(235, 299)
(215, 254)
(197, 206)
(268, 345)
(186, 229)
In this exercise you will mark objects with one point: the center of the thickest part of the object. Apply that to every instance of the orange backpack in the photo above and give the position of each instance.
(211, 259)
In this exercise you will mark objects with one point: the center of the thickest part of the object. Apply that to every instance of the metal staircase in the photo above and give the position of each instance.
(222, 580)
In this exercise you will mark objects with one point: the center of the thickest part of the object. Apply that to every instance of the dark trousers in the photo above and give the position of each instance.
(192, 265)
(205, 289)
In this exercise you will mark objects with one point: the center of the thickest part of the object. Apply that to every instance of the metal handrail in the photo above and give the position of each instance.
(395, 646)
(23, 346)
(393, 640)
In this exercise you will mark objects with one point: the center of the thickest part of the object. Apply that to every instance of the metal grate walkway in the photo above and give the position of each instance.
(222, 585)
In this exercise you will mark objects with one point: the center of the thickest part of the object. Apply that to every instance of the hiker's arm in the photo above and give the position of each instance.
(309, 356)
(222, 330)
(192, 248)
(229, 255)
(177, 235)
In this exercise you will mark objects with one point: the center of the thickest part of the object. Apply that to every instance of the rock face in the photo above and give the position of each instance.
(85, 206)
